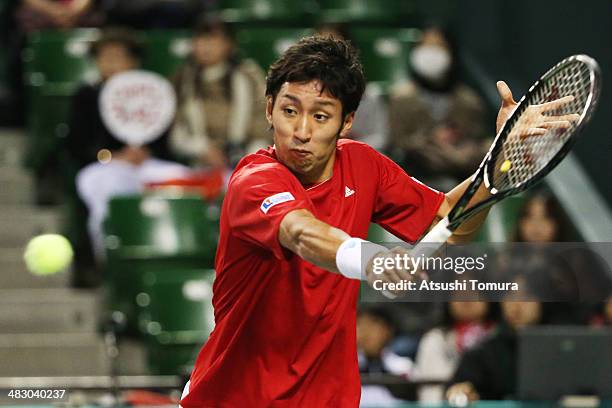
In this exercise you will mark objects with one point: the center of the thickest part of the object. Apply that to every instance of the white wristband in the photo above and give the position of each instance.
(353, 256)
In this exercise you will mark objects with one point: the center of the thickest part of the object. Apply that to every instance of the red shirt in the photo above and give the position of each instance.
(285, 329)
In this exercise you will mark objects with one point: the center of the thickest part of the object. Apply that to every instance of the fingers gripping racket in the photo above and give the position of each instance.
(532, 142)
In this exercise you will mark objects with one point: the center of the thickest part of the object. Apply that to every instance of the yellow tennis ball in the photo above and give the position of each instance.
(505, 166)
(48, 254)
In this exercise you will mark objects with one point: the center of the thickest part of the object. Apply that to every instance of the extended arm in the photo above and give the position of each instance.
(334, 250)
(311, 239)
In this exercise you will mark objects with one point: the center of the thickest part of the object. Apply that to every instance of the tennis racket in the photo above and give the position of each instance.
(533, 141)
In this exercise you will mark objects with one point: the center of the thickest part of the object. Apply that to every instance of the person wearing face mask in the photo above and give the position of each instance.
(436, 122)
(220, 103)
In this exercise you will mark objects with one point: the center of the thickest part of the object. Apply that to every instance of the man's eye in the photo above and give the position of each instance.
(320, 117)
(289, 111)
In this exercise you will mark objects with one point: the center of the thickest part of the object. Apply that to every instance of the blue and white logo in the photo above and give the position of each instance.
(275, 199)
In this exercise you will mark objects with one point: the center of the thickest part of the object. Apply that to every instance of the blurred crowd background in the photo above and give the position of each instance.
(143, 220)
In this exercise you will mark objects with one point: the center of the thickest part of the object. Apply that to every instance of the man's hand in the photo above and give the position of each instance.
(397, 273)
(534, 121)
(461, 394)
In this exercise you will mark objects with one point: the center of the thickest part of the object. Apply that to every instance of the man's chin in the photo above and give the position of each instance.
(300, 168)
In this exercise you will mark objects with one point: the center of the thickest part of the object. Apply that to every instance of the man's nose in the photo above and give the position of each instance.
(302, 130)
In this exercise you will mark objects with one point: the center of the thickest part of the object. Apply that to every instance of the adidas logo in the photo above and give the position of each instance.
(348, 192)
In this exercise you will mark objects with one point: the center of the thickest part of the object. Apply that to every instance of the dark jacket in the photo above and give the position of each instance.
(491, 366)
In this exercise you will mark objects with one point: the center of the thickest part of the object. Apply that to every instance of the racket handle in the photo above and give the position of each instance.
(434, 239)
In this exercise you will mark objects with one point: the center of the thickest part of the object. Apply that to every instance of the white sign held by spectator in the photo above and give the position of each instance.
(137, 106)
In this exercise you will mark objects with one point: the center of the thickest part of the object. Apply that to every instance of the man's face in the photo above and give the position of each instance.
(114, 58)
(307, 121)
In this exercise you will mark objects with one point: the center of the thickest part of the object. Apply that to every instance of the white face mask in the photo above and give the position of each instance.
(432, 62)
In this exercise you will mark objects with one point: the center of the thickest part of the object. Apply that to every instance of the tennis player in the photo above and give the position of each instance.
(289, 257)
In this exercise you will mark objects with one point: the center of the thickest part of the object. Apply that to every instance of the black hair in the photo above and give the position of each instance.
(338, 30)
(553, 210)
(333, 61)
(123, 36)
(381, 314)
(213, 25)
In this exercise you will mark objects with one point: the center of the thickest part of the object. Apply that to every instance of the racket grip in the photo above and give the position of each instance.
(434, 239)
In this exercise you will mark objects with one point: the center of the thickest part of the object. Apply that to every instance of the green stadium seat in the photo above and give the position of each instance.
(385, 53)
(166, 50)
(159, 225)
(374, 11)
(244, 11)
(53, 57)
(47, 123)
(55, 64)
(155, 232)
(265, 45)
(176, 316)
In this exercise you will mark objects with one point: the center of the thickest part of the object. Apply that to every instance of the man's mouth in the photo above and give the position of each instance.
(301, 153)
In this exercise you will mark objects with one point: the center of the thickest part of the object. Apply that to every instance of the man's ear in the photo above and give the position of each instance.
(269, 107)
(347, 124)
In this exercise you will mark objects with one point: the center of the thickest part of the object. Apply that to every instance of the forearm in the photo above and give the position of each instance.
(44, 6)
(468, 229)
(311, 239)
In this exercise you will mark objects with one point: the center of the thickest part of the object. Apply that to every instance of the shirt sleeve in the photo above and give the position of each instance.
(258, 202)
(404, 206)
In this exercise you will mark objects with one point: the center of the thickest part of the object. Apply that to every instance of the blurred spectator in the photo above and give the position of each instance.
(568, 278)
(371, 124)
(147, 14)
(375, 333)
(108, 167)
(118, 50)
(488, 371)
(376, 330)
(221, 103)
(465, 324)
(34, 15)
(437, 122)
(541, 219)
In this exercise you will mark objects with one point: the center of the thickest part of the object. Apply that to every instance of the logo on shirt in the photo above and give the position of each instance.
(275, 199)
(348, 192)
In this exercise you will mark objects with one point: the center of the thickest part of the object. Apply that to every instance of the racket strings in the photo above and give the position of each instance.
(523, 156)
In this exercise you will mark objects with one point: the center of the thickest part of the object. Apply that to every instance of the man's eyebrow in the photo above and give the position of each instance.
(291, 97)
(297, 100)
(324, 103)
